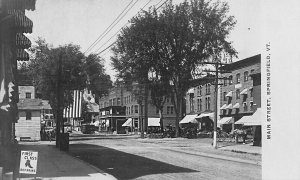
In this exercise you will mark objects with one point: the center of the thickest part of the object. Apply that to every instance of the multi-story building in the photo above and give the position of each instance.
(122, 106)
(200, 102)
(240, 96)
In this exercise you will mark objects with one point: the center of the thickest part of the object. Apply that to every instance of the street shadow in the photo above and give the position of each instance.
(120, 164)
(53, 163)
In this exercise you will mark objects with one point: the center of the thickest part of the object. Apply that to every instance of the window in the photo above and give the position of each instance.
(245, 106)
(28, 95)
(207, 88)
(230, 80)
(28, 115)
(246, 76)
(251, 92)
(118, 101)
(207, 102)
(132, 109)
(192, 104)
(198, 90)
(157, 110)
(200, 93)
(167, 100)
(224, 96)
(251, 105)
(237, 94)
(252, 71)
(129, 110)
(110, 102)
(198, 104)
(136, 109)
(172, 110)
(168, 109)
(225, 82)
(238, 78)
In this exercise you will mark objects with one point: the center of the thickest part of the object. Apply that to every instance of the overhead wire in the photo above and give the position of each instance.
(119, 19)
(97, 40)
(124, 26)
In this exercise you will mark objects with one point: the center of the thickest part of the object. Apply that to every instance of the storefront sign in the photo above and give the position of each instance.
(28, 162)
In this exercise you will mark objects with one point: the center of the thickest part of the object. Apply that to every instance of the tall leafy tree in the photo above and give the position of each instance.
(44, 70)
(174, 43)
(98, 81)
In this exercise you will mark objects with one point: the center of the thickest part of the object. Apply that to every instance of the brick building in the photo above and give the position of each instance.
(200, 106)
(240, 96)
(120, 111)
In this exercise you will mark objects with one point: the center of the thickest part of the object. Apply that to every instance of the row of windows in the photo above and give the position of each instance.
(207, 89)
(132, 109)
(238, 78)
(238, 95)
(170, 110)
(199, 104)
(245, 108)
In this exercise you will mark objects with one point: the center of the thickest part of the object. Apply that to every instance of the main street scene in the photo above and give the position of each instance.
(154, 89)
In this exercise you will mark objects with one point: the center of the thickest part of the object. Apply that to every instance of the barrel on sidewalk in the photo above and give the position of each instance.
(64, 142)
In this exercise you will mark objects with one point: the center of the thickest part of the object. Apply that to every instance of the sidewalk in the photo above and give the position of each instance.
(54, 164)
(243, 148)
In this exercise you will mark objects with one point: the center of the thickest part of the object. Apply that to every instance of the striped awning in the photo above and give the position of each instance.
(22, 23)
(254, 120)
(20, 4)
(229, 106)
(236, 106)
(128, 123)
(226, 120)
(210, 115)
(22, 55)
(224, 106)
(229, 94)
(245, 91)
(153, 122)
(189, 119)
(22, 42)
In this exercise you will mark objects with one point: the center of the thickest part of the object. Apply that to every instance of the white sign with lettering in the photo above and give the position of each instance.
(28, 162)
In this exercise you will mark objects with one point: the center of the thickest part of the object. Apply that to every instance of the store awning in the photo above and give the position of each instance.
(153, 121)
(128, 122)
(229, 94)
(210, 115)
(191, 91)
(245, 91)
(254, 120)
(229, 106)
(226, 120)
(236, 106)
(224, 106)
(189, 119)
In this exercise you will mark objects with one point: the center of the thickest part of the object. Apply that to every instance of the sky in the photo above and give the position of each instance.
(81, 22)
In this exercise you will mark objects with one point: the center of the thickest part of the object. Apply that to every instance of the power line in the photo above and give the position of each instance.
(118, 30)
(118, 20)
(124, 26)
(97, 40)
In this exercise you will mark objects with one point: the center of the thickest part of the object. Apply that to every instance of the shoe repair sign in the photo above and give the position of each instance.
(28, 162)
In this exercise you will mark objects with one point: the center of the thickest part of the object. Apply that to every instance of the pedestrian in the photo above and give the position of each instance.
(244, 135)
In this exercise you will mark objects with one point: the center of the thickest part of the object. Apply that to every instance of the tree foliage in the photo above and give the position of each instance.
(76, 69)
(173, 43)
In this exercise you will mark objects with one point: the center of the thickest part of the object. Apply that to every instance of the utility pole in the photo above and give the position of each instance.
(217, 65)
(58, 96)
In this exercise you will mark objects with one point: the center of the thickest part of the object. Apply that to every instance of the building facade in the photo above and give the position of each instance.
(200, 101)
(13, 23)
(122, 106)
(240, 96)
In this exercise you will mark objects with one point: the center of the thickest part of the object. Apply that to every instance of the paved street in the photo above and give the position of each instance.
(129, 157)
